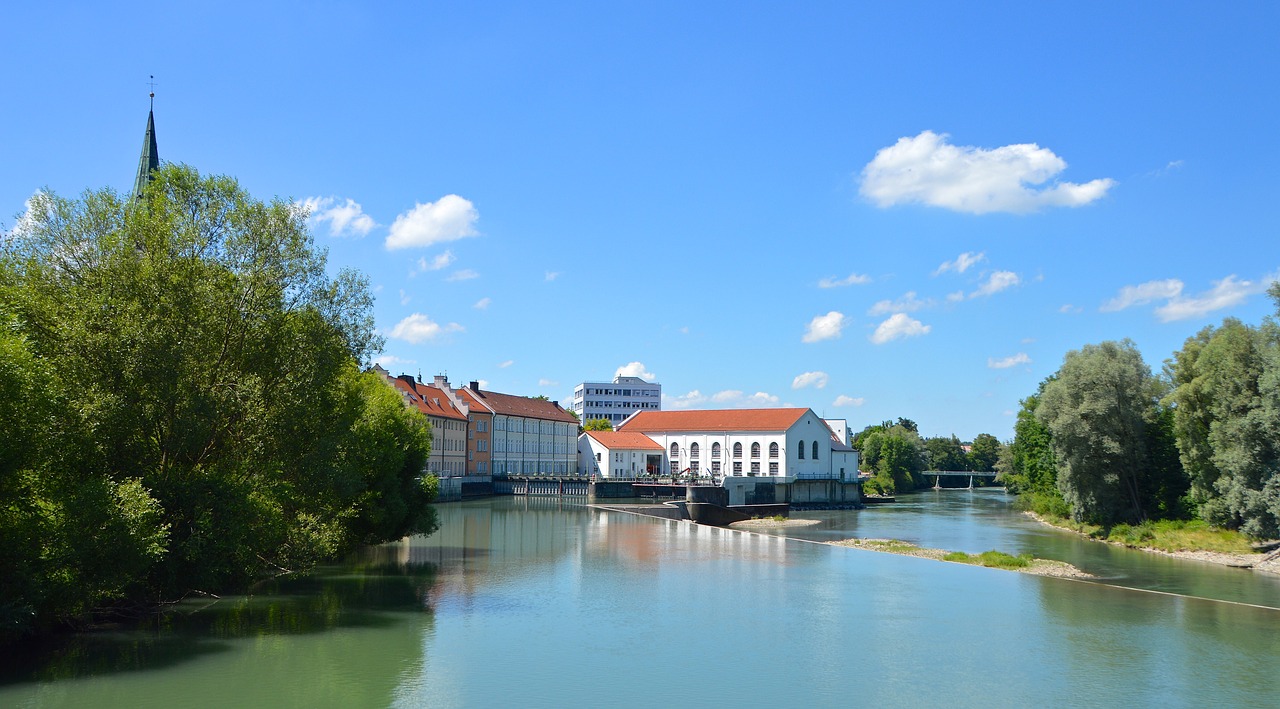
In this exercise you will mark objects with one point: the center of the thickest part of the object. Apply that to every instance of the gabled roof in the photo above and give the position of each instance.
(624, 440)
(428, 399)
(714, 420)
(524, 406)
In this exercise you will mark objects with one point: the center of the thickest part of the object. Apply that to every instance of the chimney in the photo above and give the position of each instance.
(475, 386)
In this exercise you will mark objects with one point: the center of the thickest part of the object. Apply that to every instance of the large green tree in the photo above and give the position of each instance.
(598, 425)
(200, 368)
(946, 453)
(1226, 414)
(1102, 412)
(984, 452)
(1028, 466)
(895, 454)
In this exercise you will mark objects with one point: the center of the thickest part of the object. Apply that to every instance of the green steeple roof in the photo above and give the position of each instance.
(150, 159)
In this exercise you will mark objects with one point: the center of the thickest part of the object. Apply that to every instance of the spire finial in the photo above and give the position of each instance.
(152, 84)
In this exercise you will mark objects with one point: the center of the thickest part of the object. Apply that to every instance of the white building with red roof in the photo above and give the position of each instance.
(781, 444)
(617, 455)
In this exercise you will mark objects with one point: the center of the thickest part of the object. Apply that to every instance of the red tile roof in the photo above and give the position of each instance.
(714, 420)
(511, 405)
(623, 440)
(428, 399)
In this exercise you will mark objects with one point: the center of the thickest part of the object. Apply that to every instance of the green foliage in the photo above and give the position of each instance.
(1226, 419)
(206, 421)
(598, 425)
(1099, 410)
(984, 453)
(896, 455)
(945, 453)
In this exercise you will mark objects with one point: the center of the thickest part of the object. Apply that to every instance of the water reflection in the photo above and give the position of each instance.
(975, 521)
(281, 642)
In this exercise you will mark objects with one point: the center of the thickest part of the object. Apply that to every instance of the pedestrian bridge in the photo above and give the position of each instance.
(971, 474)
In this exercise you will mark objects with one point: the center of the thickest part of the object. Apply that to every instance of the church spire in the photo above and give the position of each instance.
(150, 159)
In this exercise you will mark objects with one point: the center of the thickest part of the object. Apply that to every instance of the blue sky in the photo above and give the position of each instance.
(913, 210)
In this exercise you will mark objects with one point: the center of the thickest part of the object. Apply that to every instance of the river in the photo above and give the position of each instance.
(538, 602)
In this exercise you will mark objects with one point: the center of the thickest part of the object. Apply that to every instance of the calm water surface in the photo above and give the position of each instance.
(534, 602)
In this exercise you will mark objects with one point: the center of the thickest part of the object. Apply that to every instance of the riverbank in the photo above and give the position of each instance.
(994, 560)
(1257, 561)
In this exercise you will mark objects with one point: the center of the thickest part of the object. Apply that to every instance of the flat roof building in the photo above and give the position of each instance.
(615, 401)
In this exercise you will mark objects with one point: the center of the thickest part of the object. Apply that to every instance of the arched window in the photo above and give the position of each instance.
(755, 450)
(675, 451)
(715, 451)
(800, 450)
(693, 451)
(815, 450)
(773, 450)
(737, 450)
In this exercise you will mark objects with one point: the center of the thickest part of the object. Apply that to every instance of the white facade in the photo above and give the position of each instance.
(615, 460)
(615, 401)
(531, 446)
(804, 450)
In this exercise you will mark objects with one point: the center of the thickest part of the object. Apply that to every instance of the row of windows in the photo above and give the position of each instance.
(620, 392)
(502, 445)
(594, 404)
(518, 425)
(695, 451)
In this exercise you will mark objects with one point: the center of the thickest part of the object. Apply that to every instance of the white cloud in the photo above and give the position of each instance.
(484, 383)
(547, 383)
(908, 303)
(419, 328)
(552, 275)
(465, 274)
(634, 369)
(825, 327)
(955, 297)
(482, 304)
(928, 170)
(817, 380)
(898, 326)
(1224, 294)
(684, 401)
(727, 399)
(404, 297)
(389, 361)
(1069, 309)
(853, 279)
(735, 399)
(1007, 362)
(438, 262)
(997, 282)
(346, 218)
(1142, 294)
(843, 400)
(447, 219)
(506, 364)
(962, 262)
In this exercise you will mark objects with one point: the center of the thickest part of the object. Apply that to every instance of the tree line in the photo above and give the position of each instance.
(1106, 441)
(897, 456)
(183, 405)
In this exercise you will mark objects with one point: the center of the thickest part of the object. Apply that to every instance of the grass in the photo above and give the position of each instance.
(1165, 535)
(994, 559)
